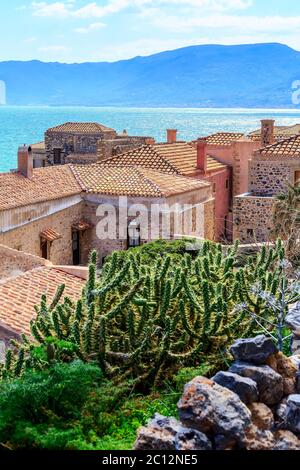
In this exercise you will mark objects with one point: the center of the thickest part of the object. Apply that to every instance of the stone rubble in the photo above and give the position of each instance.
(292, 321)
(253, 406)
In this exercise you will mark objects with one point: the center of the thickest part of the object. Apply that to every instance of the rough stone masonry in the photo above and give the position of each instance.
(253, 406)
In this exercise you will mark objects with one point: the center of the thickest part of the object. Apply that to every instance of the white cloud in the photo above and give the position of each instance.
(68, 8)
(90, 28)
(56, 10)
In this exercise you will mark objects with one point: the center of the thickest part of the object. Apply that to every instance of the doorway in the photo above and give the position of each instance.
(76, 247)
(57, 156)
(44, 249)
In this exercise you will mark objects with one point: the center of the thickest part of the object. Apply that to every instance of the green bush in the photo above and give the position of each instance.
(150, 252)
(43, 397)
(71, 406)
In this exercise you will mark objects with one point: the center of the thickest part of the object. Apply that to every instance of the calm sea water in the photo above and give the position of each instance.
(20, 125)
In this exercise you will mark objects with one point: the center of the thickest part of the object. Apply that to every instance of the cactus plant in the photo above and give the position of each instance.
(144, 322)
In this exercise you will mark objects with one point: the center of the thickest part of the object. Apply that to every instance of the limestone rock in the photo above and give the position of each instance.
(163, 433)
(269, 382)
(245, 388)
(295, 345)
(295, 359)
(280, 411)
(254, 350)
(287, 369)
(286, 440)
(212, 409)
(190, 439)
(159, 433)
(262, 416)
(293, 320)
(292, 417)
(225, 442)
(257, 439)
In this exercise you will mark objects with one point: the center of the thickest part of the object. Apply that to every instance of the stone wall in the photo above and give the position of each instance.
(252, 220)
(13, 262)
(106, 247)
(253, 406)
(268, 178)
(27, 237)
(73, 143)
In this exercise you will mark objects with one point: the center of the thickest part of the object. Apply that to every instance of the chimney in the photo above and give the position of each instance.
(202, 155)
(171, 136)
(25, 161)
(267, 132)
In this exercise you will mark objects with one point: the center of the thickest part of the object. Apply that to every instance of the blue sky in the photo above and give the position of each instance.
(97, 30)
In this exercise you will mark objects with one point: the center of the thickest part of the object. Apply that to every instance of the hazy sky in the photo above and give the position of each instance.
(87, 30)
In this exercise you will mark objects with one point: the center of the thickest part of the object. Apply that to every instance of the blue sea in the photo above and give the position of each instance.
(20, 125)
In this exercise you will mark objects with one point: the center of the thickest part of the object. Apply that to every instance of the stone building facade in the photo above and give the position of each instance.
(52, 212)
(272, 169)
(192, 161)
(85, 143)
(77, 138)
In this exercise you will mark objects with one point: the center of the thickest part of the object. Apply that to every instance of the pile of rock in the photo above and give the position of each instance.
(253, 406)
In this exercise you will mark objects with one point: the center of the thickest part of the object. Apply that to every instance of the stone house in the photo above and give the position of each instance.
(83, 143)
(235, 150)
(279, 132)
(271, 169)
(52, 212)
(189, 160)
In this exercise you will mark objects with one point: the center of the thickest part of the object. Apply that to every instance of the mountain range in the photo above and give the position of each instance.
(257, 75)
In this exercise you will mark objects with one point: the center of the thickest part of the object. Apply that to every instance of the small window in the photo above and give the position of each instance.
(214, 188)
(250, 233)
(227, 183)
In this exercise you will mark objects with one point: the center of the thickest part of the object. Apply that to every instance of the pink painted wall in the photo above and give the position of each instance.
(223, 200)
(237, 156)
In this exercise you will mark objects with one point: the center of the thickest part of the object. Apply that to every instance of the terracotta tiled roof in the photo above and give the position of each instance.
(183, 157)
(47, 184)
(50, 235)
(281, 132)
(132, 181)
(145, 156)
(287, 148)
(224, 139)
(179, 158)
(19, 295)
(81, 128)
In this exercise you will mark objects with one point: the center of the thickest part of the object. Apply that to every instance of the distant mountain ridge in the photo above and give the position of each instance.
(258, 75)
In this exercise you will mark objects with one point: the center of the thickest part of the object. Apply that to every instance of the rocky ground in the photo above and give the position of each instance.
(253, 406)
